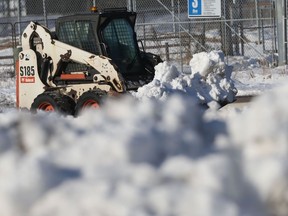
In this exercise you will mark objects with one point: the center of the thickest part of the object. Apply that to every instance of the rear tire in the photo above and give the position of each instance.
(90, 100)
(53, 102)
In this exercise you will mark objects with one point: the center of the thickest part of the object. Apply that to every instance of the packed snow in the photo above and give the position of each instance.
(156, 151)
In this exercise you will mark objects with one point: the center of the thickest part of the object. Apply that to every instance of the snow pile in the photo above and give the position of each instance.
(146, 158)
(7, 89)
(108, 163)
(209, 82)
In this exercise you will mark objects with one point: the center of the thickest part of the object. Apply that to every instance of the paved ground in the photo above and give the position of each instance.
(244, 99)
(240, 103)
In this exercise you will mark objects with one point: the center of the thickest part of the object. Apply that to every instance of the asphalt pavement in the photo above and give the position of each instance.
(240, 103)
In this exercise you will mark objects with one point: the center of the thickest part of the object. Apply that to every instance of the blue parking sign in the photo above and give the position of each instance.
(195, 7)
(204, 8)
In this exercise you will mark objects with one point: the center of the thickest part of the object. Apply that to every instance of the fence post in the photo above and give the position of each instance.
(167, 51)
(173, 15)
(241, 26)
(134, 5)
(180, 38)
(131, 5)
(45, 13)
(281, 25)
(226, 33)
(19, 19)
(258, 21)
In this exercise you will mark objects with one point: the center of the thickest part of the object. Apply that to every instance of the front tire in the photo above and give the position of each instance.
(53, 102)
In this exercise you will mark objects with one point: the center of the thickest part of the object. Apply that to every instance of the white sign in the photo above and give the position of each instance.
(204, 8)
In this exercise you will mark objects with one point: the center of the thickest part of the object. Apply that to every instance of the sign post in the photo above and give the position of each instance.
(204, 8)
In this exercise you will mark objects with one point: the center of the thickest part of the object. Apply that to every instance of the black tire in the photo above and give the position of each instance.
(53, 102)
(92, 99)
(69, 107)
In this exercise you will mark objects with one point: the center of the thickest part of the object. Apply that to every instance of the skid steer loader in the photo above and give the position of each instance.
(88, 57)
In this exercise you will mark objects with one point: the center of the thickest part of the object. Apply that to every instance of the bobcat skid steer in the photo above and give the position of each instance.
(89, 57)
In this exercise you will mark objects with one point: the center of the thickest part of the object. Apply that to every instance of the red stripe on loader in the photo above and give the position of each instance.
(72, 76)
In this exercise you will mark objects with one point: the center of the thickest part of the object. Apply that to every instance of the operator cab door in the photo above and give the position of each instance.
(121, 46)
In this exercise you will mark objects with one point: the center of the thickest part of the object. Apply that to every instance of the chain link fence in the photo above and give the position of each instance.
(246, 27)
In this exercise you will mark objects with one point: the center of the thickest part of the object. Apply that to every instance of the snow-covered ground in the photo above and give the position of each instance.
(154, 153)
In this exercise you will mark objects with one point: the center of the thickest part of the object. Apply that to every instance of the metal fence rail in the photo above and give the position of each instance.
(246, 27)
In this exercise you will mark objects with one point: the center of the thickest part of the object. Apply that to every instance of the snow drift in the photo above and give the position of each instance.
(148, 158)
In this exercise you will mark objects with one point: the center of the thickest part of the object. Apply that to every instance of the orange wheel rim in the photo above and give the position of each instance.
(91, 104)
(47, 107)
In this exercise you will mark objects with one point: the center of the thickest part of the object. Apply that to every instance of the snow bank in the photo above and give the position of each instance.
(209, 82)
(146, 158)
(130, 157)
(150, 157)
(7, 89)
